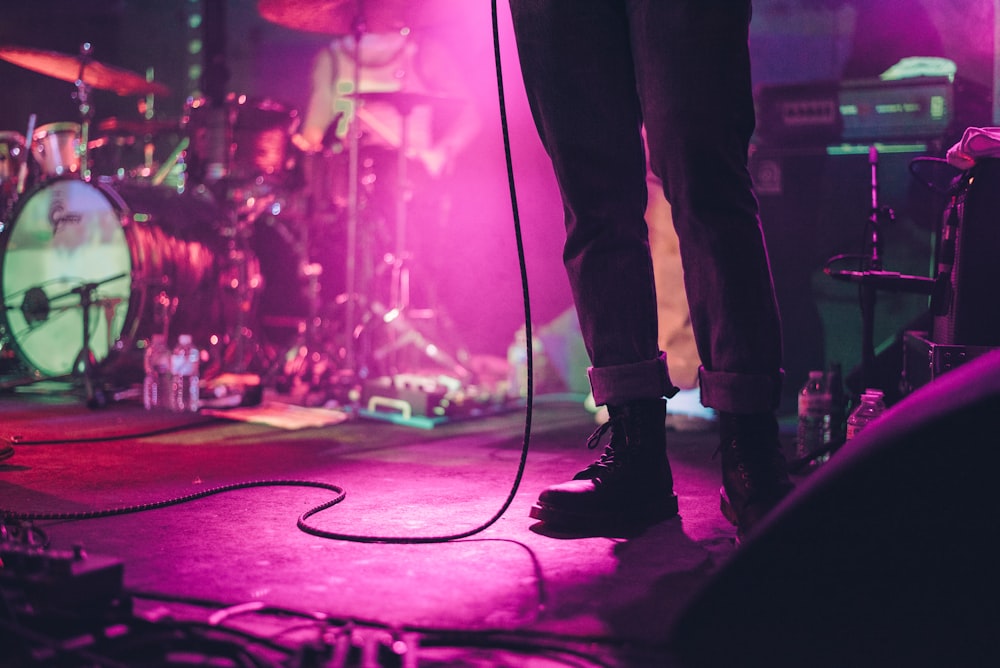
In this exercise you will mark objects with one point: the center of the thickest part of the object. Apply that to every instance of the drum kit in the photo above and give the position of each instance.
(114, 230)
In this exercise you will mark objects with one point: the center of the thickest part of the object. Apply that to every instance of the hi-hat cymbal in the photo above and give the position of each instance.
(74, 68)
(347, 17)
(403, 101)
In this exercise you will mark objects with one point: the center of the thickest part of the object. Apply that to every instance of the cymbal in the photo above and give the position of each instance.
(404, 101)
(73, 68)
(345, 17)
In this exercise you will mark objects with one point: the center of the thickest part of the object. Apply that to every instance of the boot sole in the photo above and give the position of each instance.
(561, 519)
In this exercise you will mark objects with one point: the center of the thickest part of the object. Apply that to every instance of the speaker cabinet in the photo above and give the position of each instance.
(970, 248)
(884, 557)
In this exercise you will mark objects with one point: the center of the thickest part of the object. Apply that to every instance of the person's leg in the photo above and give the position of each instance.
(693, 75)
(578, 73)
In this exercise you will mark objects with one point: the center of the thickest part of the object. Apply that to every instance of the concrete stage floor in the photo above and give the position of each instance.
(609, 598)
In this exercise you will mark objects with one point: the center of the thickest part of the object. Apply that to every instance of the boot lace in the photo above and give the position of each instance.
(615, 425)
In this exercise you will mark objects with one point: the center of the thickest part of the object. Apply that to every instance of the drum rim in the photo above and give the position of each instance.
(54, 127)
(12, 134)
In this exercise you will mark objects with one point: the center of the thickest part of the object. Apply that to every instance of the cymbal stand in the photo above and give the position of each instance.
(353, 176)
(86, 110)
(392, 316)
(401, 332)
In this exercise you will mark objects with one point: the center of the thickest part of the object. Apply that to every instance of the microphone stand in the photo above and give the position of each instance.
(874, 278)
(85, 365)
(869, 292)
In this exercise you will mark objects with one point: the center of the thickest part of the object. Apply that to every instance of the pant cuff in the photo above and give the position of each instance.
(623, 383)
(740, 392)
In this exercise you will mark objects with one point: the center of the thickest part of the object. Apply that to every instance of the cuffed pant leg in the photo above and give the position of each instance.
(620, 384)
(741, 393)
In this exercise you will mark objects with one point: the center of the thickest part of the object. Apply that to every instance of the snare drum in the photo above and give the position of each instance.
(131, 243)
(55, 148)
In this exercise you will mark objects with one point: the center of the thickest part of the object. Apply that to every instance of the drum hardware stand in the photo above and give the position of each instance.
(353, 175)
(401, 331)
(29, 140)
(350, 298)
(86, 110)
(306, 364)
(238, 259)
(85, 366)
(305, 361)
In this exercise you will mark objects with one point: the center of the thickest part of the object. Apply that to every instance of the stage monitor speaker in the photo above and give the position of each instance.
(970, 246)
(885, 556)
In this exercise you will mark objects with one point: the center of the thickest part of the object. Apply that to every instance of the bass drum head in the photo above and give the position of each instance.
(65, 237)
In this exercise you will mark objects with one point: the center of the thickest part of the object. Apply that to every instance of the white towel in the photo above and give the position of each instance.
(975, 143)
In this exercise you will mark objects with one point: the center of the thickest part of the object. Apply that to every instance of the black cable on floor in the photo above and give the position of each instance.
(529, 641)
(307, 528)
(17, 439)
(8, 515)
(339, 492)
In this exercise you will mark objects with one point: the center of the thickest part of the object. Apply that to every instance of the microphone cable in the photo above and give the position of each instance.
(339, 492)
(504, 125)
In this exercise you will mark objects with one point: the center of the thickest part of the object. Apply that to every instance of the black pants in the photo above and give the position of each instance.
(597, 72)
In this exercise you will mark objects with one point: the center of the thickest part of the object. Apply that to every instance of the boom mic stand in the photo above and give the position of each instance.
(874, 278)
(85, 366)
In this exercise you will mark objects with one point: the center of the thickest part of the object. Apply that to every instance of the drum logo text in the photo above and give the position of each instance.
(59, 216)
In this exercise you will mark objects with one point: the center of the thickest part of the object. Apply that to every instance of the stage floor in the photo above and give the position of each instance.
(159, 539)
(139, 488)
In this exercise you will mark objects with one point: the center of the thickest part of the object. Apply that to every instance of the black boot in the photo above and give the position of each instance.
(629, 487)
(754, 471)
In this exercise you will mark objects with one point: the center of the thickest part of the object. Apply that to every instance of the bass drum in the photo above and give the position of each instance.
(134, 252)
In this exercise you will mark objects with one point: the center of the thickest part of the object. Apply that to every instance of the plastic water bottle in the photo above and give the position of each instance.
(517, 361)
(836, 429)
(814, 416)
(871, 407)
(156, 385)
(184, 363)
